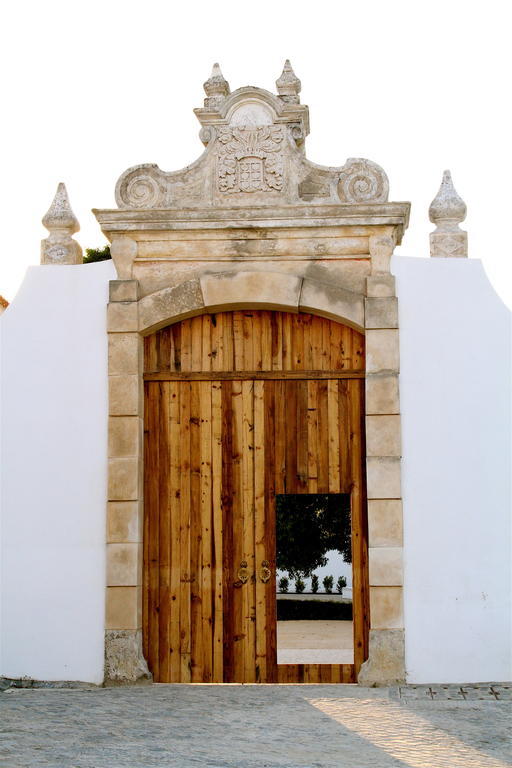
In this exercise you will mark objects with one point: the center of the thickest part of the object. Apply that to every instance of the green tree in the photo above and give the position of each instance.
(309, 526)
(97, 254)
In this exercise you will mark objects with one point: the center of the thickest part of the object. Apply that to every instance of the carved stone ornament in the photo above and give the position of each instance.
(60, 221)
(254, 156)
(250, 160)
(446, 211)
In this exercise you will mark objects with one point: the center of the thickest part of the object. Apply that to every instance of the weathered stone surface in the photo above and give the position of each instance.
(124, 353)
(381, 312)
(385, 527)
(122, 316)
(124, 660)
(446, 211)
(386, 607)
(124, 521)
(382, 393)
(380, 285)
(124, 564)
(381, 251)
(123, 479)
(170, 304)
(124, 436)
(61, 222)
(124, 395)
(383, 478)
(123, 608)
(267, 290)
(386, 662)
(333, 302)
(382, 351)
(123, 290)
(385, 566)
(124, 251)
(383, 436)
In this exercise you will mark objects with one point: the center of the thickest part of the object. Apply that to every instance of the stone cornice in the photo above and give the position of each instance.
(117, 221)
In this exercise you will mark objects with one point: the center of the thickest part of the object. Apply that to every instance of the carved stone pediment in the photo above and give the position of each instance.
(254, 156)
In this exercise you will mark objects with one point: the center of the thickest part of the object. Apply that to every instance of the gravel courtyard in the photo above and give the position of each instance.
(250, 726)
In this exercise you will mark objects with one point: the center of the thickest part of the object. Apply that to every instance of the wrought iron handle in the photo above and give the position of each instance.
(265, 572)
(243, 572)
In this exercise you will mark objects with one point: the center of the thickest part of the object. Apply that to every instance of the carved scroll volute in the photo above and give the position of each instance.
(362, 181)
(142, 187)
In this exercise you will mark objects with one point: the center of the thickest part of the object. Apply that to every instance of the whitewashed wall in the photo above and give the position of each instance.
(53, 474)
(455, 389)
(455, 399)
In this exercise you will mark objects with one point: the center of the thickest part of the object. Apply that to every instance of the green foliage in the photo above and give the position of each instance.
(299, 585)
(341, 584)
(283, 584)
(309, 526)
(314, 583)
(97, 254)
(328, 582)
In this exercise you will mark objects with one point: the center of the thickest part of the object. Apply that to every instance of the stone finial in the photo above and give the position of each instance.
(61, 223)
(216, 88)
(288, 85)
(446, 211)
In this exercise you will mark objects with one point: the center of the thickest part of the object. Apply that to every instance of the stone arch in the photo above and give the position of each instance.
(249, 290)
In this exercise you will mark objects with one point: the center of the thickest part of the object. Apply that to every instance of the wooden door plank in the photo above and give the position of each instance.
(250, 375)
(301, 436)
(153, 512)
(312, 436)
(175, 516)
(290, 425)
(238, 341)
(207, 585)
(260, 528)
(277, 341)
(228, 504)
(217, 342)
(196, 629)
(185, 498)
(217, 565)
(322, 438)
(248, 589)
(196, 335)
(148, 437)
(164, 537)
(266, 341)
(334, 436)
(206, 343)
(269, 430)
(239, 591)
(186, 346)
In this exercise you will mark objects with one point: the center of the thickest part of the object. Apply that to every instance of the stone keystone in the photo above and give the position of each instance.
(288, 85)
(61, 223)
(446, 211)
(216, 88)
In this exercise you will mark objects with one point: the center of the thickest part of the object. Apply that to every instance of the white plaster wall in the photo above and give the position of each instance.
(53, 474)
(455, 388)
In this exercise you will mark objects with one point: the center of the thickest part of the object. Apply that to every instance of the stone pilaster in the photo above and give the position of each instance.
(124, 661)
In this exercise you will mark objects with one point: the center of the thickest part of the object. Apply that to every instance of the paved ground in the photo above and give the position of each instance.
(314, 726)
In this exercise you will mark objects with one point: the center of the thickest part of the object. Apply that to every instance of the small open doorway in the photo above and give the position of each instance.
(314, 579)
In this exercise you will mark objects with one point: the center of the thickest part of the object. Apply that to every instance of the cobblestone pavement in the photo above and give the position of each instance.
(230, 726)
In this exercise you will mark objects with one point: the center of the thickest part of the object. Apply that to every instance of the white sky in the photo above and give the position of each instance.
(92, 88)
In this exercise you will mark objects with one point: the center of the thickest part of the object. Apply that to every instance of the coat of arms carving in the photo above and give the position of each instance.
(250, 159)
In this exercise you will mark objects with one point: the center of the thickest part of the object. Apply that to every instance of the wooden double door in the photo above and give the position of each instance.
(239, 407)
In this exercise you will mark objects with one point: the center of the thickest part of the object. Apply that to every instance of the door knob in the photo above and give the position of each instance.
(243, 572)
(265, 572)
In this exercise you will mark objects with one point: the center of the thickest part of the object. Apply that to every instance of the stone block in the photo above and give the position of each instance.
(123, 479)
(386, 608)
(123, 608)
(124, 521)
(381, 312)
(383, 436)
(123, 290)
(124, 395)
(124, 661)
(124, 564)
(380, 285)
(381, 250)
(386, 661)
(333, 302)
(382, 393)
(383, 478)
(385, 526)
(124, 253)
(266, 290)
(124, 353)
(382, 351)
(170, 305)
(124, 436)
(122, 317)
(385, 566)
